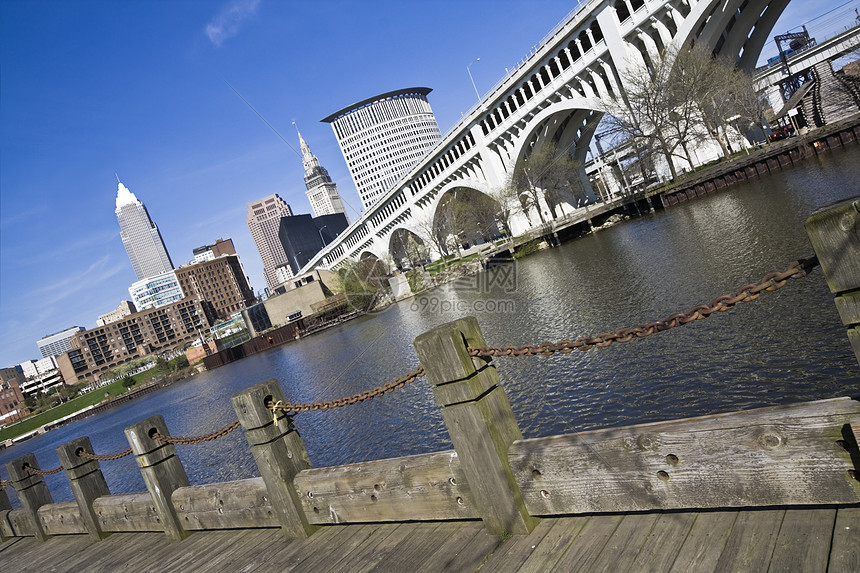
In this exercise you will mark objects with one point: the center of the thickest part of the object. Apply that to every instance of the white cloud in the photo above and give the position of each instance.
(229, 20)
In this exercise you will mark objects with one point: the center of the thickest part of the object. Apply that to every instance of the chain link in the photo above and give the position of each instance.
(5, 482)
(34, 471)
(105, 457)
(407, 378)
(197, 439)
(745, 293)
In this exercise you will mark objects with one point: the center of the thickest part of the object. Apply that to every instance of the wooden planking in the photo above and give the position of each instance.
(61, 518)
(625, 543)
(513, 552)
(127, 512)
(770, 456)
(845, 545)
(228, 505)
(590, 542)
(465, 548)
(554, 545)
(415, 488)
(664, 542)
(803, 543)
(411, 552)
(750, 544)
(704, 543)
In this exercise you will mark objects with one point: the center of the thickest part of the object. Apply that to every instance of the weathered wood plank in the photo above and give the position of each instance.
(704, 543)
(845, 545)
(411, 553)
(416, 488)
(227, 505)
(751, 542)
(803, 543)
(590, 542)
(127, 512)
(554, 545)
(769, 456)
(513, 552)
(20, 522)
(664, 542)
(61, 518)
(626, 542)
(466, 547)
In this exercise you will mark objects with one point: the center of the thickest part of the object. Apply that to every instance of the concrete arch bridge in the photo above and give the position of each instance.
(553, 96)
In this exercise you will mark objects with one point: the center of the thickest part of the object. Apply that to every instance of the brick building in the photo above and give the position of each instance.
(152, 330)
(220, 282)
(12, 406)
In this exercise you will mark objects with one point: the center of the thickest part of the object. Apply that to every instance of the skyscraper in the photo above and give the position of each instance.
(264, 217)
(322, 191)
(383, 136)
(140, 236)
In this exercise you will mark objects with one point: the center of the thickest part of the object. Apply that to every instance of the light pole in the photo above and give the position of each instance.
(321, 235)
(471, 78)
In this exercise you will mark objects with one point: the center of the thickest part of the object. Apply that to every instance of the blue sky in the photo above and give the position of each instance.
(139, 88)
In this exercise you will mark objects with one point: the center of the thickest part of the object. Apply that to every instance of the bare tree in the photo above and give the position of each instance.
(544, 175)
(508, 205)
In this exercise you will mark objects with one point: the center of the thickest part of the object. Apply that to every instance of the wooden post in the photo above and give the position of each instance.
(835, 235)
(86, 482)
(279, 452)
(31, 490)
(5, 508)
(161, 469)
(480, 421)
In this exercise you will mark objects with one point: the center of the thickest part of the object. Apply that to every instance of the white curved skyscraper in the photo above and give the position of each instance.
(383, 136)
(140, 236)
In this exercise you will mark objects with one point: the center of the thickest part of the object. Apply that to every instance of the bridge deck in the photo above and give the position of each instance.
(782, 539)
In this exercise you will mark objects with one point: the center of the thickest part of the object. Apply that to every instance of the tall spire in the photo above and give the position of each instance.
(307, 156)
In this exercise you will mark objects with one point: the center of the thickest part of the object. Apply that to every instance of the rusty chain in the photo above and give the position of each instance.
(196, 439)
(400, 382)
(745, 293)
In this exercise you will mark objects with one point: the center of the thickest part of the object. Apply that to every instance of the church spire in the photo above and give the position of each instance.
(309, 161)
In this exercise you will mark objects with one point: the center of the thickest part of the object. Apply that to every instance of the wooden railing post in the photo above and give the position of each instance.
(480, 421)
(161, 469)
(279, 452)
(835, 235)
(5, 508)
(31, 490)
(86, 482)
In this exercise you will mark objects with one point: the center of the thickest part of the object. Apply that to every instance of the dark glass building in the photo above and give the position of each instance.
(304, 236)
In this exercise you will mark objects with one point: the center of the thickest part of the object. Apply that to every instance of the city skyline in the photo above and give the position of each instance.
(93, 88)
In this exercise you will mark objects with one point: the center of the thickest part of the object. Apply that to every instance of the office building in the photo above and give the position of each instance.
(12, 407)
(155, 291)
(321, 190)
(212, 252)
(220, 282)
(124, 308)
(96, 351)
(264, 218)
(383, 136)
(140, 236)
(303, 236)
(57, 343)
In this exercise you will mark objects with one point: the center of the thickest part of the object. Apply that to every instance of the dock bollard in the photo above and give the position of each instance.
(279, 452)
(31, 490)
(86, 482)
(161, 469)
(5, 508)
(834, 232)
(479, 419)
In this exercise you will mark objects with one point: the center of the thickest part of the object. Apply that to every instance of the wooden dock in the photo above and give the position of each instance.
(772, 539)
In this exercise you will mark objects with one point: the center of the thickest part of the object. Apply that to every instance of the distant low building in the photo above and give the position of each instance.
(211, 252)
(12, 407)
(57, 343)
(144, 332)
(155, 291)
(124, 309)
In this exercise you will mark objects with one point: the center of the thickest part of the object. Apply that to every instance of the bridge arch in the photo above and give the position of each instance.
(407, 248)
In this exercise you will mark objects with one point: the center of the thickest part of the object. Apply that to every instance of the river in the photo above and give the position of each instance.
(785, 347)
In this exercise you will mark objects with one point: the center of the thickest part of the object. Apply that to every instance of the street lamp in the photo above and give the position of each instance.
(321, 235)
(471, 78)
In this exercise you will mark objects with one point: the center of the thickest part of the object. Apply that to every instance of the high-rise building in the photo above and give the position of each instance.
(383, 136)
(124, 308)
(140, 236)
(57, 343)
(303, 236)
(264, 217)
(321, 190)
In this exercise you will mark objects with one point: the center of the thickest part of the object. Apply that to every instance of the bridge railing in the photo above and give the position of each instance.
(799, 454)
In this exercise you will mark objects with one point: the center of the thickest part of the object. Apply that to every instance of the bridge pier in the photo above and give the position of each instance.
(161, 469)
(86, 482)
(480, 422)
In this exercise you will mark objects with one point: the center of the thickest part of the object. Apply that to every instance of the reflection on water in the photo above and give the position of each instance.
(787, 346)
